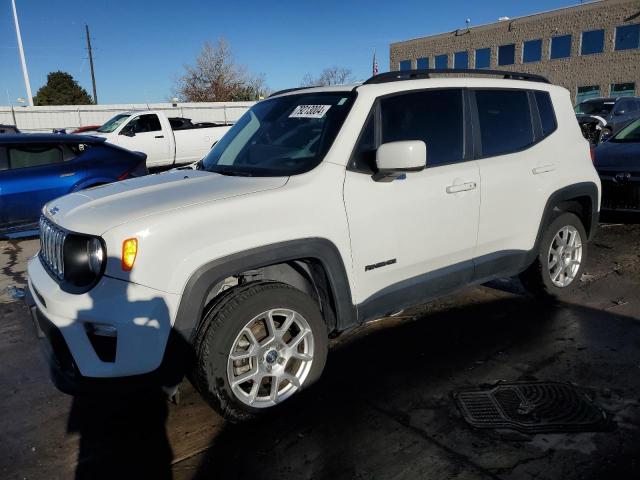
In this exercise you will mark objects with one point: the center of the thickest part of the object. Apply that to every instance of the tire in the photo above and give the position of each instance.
(546, 279)
(239, 322)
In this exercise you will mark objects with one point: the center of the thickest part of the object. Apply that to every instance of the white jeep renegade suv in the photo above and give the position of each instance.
(322, 208)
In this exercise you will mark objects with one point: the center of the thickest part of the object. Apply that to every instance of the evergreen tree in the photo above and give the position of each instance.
(61, 89)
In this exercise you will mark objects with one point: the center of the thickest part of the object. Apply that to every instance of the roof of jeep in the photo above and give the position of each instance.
(418, 83)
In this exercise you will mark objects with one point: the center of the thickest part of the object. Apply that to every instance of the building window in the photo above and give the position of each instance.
(405, 65)
(442, 61)
(628, 37)
(560, 47)
(422, 63)
(461, 60)
(507, 54)
(532, 51)
(592, 42)
(623, 89)
(483, 57)
(587, 92)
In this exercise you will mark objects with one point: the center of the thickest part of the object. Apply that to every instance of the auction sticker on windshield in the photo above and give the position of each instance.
(309, 111)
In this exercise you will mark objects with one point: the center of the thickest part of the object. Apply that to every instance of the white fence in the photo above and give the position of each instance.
(45, 119)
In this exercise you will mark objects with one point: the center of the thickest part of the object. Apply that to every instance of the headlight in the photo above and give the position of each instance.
(84, 261)
(95, 254)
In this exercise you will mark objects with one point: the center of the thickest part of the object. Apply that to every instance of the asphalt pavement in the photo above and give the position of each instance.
(383, 408)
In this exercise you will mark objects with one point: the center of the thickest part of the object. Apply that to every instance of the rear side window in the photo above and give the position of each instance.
(433, 116)
(33, 156)
(545, 110)
(505, 121)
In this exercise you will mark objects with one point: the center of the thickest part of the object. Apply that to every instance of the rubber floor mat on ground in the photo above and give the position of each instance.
(532, 407)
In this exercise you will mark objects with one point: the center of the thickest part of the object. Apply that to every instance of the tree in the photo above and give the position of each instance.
(61, 89)
(329, 76)
(217, 78)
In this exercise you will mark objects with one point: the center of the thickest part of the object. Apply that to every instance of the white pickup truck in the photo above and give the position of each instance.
(166, 141)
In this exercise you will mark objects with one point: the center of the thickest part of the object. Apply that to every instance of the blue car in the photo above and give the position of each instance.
(36, 168)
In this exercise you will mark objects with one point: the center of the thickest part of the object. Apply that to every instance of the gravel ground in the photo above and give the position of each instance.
(383, 408)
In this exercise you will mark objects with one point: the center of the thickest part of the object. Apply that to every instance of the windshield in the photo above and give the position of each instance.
(595, 107)
(630, 133)
(280, 137)
(114, 123)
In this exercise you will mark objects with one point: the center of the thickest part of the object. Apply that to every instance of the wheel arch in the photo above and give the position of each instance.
(578, 198)
(313, 265)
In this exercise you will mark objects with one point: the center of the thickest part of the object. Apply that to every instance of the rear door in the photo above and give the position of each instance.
(413, 238)
(517, 172)
(144, 133)
(35, 174)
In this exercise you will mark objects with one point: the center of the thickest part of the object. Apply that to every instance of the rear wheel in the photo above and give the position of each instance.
(259, 344)
(560, 260)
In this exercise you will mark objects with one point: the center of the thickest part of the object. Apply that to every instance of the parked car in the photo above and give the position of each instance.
(600, 117)
(36, 168)
(321, 209)
(618, 163)
(165, 141)
(86, 129)
(4, 129)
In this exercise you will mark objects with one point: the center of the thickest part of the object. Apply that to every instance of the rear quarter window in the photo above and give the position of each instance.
(545, 110)
(505, 121)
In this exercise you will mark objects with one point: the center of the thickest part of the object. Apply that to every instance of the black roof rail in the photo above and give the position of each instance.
(426, 73)
(287, 90)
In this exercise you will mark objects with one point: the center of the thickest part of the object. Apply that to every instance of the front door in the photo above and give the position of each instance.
(413, 239)
(144, 134)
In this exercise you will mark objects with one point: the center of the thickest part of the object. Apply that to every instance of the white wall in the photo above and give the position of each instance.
(45, 119)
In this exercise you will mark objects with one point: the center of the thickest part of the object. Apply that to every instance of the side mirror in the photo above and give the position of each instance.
(128, 131)
(394, 159)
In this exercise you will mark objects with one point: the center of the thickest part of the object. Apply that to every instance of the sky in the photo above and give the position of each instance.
(141, 47)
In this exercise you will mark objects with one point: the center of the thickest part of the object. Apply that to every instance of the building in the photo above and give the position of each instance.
(592, 49)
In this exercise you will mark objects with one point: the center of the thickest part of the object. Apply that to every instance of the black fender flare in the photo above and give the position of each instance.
(565, 194)
(194, 295)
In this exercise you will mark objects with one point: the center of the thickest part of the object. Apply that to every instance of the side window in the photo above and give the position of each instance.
(33, 156)
(4, 161)
(505, 121)
(364, 155)
(433, 116)
(146, 123)
(545, 110)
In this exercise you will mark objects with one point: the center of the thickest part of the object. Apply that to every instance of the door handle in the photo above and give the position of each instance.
(69, 174)
(543, 169)
(462, 187)
(159, 136)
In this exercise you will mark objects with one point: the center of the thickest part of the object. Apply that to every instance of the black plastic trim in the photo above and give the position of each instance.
(195, 292)
(426, 73)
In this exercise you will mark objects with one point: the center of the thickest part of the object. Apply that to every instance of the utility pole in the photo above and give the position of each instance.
(21, 50)
(93, 76)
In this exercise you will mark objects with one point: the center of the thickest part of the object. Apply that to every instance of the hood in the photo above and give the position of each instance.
(99, 209)
(618, 156)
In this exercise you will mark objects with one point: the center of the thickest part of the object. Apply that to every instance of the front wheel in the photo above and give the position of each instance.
(259, 344)
(560, 261)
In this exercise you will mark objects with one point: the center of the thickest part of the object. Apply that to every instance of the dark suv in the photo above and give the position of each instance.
(601, 117)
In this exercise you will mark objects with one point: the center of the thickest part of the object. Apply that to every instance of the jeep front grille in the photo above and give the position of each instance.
(52, 247)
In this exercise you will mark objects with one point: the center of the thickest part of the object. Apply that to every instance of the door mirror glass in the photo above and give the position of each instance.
(394, 159)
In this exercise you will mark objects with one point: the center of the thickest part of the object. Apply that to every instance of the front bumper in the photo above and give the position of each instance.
(141, 317)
